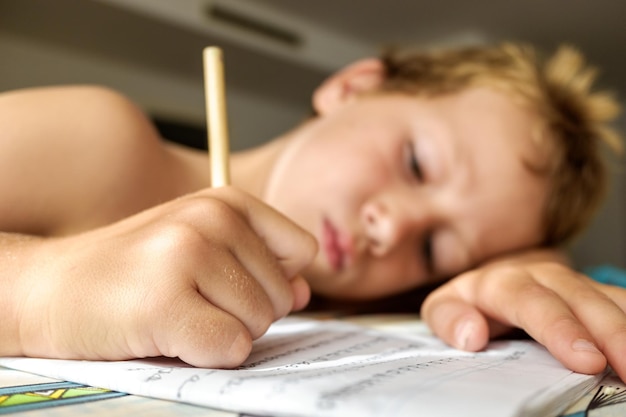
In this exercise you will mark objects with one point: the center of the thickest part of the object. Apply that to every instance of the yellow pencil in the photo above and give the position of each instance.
(217, 125)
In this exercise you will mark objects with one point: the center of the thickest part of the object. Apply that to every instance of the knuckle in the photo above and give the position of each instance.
(505, 272)
(263, 316)
(529, 299)
(560, 322)
(616, 336)
(193, 208)
(556, 273)
(554, 268)
(172, 240)
(498, 280)
(587, 295)
(254, 307)
(255, 300)
(531, 291)
(270, 292)
(556, 328)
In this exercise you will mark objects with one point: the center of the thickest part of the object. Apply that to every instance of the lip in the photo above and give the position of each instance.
(332, 248)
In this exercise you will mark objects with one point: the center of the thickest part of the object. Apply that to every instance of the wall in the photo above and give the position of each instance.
(605, 241)
(79, 41)
(252, 118)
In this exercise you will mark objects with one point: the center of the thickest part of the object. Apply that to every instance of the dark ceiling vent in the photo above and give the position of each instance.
(254, 25)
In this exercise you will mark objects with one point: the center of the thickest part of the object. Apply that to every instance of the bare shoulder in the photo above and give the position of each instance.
(77, 157)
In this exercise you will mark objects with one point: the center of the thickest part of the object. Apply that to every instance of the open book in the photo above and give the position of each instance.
(306, 367)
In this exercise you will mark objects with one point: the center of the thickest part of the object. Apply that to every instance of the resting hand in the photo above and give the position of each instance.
(580, 321)
(196, 278)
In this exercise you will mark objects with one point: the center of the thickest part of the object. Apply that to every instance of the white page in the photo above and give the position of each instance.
(330, 368)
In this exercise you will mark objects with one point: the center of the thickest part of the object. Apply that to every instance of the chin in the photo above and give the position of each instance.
(336, 285)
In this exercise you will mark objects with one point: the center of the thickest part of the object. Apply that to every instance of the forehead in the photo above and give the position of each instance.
(506, 123)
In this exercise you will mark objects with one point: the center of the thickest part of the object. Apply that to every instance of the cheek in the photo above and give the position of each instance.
(341, 171)
(363, 170)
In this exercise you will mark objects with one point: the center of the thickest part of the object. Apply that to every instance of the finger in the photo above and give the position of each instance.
(257, 259)
(514, 298)
(231, 287)
(594, 306)
(202, 335)
(222, 237)
(293, 246)
(616, 293)
(301, 292)
(454, 321)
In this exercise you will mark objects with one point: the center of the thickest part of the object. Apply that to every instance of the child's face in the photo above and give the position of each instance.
(401, 191)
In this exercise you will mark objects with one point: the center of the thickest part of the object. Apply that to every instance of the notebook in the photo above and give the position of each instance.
(308, 367)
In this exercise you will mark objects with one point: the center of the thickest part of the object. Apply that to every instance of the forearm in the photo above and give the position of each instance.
(17, 255)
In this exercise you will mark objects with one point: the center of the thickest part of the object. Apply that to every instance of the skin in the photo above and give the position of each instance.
(140, 258)
(370, 205)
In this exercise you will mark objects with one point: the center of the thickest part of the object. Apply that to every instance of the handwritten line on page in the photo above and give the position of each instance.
(305, 367)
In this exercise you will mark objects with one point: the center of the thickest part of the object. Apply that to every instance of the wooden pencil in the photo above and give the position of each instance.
(217, 123)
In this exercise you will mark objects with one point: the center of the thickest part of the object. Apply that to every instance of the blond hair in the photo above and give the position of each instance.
(575, 119)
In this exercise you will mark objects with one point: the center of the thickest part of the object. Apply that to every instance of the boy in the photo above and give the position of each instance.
(414, 170)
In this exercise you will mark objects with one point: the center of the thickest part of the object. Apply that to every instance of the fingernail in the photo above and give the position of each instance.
(585, 345)
(462, 334)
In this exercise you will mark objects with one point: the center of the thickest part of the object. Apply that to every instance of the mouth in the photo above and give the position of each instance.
(331, 246)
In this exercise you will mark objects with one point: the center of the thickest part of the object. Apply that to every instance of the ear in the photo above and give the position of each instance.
(343, 86)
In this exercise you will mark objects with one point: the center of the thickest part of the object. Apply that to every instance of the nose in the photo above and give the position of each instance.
(387, 224)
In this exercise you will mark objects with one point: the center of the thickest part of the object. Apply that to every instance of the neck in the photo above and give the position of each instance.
(251, 169)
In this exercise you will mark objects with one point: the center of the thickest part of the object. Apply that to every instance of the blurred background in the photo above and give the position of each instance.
(277, 51)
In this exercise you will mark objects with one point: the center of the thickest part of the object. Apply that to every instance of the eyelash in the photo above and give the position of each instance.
(414, 165)
(427, 252)
(416, 170)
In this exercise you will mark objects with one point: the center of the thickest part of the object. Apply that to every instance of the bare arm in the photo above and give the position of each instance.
(16, 255)
(100, 261)
(72, 158)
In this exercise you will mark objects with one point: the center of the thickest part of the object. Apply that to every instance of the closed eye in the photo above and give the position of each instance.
(427, 253)
(413, 163)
